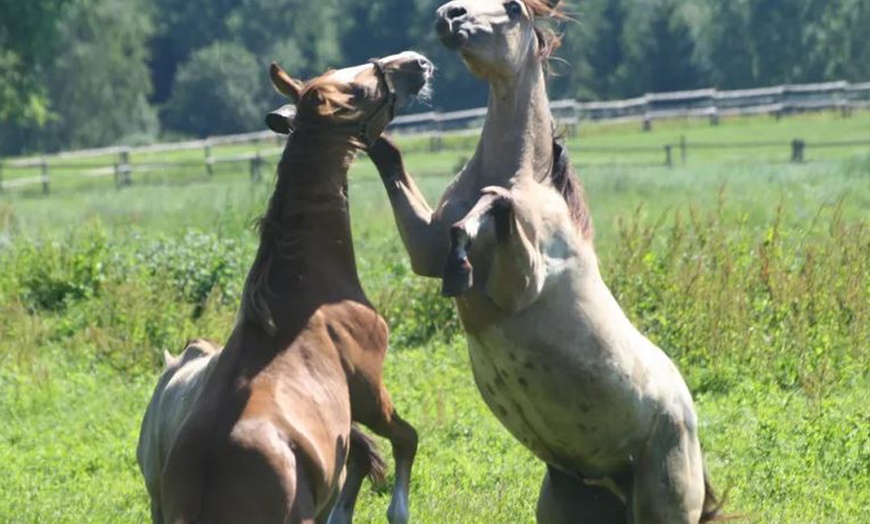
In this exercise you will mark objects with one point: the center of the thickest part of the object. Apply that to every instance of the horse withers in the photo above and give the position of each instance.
(260, 431)
(552, 353)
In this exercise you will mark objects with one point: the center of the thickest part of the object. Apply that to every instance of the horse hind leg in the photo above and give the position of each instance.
(566, 499)
(363, 460)
(669, 483)
(386, 422)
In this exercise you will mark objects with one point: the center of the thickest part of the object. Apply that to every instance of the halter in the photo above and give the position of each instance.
(389, 104)
(362, 130)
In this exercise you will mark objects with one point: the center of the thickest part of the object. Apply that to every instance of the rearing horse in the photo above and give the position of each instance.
(553, 355)
(260, 431)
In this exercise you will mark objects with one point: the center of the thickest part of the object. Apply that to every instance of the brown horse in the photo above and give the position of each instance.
(260, 431)
(552, 353)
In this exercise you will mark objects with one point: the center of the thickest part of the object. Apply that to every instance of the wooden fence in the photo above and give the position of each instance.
(123, 163)
(703, 103)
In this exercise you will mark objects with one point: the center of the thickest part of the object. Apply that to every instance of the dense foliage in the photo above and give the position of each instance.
(95, 72)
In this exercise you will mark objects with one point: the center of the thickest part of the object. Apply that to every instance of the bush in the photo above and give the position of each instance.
(790, 308)
(49, 275)
(219, 90)
(414, 308)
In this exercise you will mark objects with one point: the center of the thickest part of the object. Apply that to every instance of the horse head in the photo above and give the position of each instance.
(496, 38)
(360, 99)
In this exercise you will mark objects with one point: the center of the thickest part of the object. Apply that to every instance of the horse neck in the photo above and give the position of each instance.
(308, 212)
(517, 138)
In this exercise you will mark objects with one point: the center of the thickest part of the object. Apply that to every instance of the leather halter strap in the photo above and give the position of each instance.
(388, 104)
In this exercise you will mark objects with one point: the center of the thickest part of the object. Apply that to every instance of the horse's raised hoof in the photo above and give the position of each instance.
(457, 277)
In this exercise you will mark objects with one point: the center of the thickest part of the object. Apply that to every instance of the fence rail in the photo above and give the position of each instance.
(711, 104)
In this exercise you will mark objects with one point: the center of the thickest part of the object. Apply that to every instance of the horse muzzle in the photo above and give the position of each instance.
(449, 26)
(457, 277)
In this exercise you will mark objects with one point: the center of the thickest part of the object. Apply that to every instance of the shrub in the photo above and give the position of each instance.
(217, 91)
(51, 274)
(727, 303)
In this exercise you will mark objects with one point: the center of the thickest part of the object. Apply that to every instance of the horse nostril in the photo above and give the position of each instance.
(455, 12)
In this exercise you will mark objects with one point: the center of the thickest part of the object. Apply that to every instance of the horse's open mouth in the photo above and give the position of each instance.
(424, 90)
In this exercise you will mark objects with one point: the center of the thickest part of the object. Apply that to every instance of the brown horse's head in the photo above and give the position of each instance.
(360, 100)
(496, 38)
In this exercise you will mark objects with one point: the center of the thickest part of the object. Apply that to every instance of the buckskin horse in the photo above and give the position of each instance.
(260, 431)
(552, 353)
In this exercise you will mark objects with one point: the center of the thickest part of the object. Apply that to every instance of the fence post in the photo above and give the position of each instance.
(44, 176)
(668, 158)
(683, 149)
(797, 150)
(123, 169)
(436, 142)
(256, 160)
(647, 123)
(209, 161)
(714, 118)
(846, 108)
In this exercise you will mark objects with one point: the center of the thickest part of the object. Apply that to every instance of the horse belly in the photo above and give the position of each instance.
(562, 412)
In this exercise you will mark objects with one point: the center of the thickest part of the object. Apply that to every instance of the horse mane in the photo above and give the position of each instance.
(548, 40)
(326, 96)
(564, 179)
(275, 242)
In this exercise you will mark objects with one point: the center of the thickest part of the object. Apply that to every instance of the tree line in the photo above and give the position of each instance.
(88, 73)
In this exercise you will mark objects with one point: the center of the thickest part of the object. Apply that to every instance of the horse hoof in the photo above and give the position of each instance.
(397, 514)
(457, 278)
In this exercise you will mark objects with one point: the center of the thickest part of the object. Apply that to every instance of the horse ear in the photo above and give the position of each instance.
(168, 359)
(280, 119)
(284, 84)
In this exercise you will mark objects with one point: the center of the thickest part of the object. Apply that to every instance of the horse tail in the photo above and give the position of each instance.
(712, 509)
(364, 452)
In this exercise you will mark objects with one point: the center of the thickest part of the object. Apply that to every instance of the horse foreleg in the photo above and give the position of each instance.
(516, 275)
(424, 239)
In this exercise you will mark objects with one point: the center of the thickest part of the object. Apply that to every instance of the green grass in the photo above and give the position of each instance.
(755, 279)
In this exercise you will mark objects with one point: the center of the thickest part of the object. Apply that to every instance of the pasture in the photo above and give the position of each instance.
(754, 277)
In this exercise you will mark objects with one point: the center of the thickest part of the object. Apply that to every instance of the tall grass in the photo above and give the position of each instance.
(729, 302)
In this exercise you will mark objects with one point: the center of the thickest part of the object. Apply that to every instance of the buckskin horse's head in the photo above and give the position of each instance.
(496, 37)
(360, 99)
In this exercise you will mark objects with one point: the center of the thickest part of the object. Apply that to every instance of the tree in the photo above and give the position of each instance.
(27, 41)
(777, 45)
(183, 26)
(309, 29)
(607, 52)
(99, 83)
(730, 50)
(219, 90)
(668, 56)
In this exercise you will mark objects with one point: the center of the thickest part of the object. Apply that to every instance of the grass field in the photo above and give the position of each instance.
(753, 277)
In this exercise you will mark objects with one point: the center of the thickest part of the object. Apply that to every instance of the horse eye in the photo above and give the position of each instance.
(514, 9)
